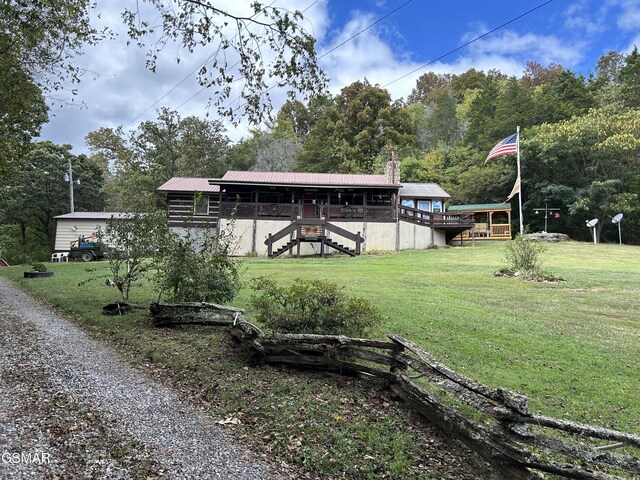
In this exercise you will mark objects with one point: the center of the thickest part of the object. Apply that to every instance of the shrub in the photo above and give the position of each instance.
(197, 267)
(38, 267)
(522, 256)
(312, 306)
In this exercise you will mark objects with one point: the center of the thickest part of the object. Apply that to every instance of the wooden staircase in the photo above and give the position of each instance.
(314, 231)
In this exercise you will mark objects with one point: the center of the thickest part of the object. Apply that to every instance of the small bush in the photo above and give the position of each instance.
(522, 256)
(38, 267)
(312, 306)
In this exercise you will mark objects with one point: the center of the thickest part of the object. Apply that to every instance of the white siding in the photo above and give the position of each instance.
(69, 229)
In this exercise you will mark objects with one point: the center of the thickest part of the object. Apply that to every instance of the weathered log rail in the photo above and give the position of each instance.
(510, 437)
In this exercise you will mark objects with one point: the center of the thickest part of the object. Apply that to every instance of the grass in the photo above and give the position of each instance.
(572, 347)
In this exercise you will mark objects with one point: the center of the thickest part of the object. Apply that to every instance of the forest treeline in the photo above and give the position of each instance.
(580, 145)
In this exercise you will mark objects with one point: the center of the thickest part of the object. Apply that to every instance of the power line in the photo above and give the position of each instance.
(364, 29)
(194, 71)
(468, 43)
(327, 52)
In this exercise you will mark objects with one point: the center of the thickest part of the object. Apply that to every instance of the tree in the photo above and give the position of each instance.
(41, 37)
(241, 40)
(276, 151)
(38, 193)
(134, 241)
(351, 133)
(629, 80)
(441, 124)
(589, 163)
(536, 75)
(23, 111)
(472, 79)
(157, 150)
(482, 132)
(427, 85)
(564, 97)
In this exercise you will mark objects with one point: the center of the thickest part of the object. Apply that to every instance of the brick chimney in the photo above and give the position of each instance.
(392, 169)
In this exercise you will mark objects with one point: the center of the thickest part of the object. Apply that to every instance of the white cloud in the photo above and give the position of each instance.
(629, 15)
(582, 19)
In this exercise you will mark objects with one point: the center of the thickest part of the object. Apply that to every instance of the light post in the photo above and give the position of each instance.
(547, 210)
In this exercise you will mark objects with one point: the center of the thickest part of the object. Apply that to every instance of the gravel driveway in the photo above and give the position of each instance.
(70, 407)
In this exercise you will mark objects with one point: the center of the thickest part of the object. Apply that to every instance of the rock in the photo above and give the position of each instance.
(547, 237)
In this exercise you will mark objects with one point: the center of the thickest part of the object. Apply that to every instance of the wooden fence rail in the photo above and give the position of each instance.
(512, 439)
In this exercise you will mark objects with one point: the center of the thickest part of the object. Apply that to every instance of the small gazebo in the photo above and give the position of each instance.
(492, 221)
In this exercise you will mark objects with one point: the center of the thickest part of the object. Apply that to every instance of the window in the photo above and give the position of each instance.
(437, 206)
(424, 205)
(408, 203)
(201, 205)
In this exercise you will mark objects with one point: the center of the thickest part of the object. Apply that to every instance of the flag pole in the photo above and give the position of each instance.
(520, 179)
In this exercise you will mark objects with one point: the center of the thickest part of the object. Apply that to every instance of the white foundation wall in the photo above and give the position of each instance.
(419, 237)
(377, 235)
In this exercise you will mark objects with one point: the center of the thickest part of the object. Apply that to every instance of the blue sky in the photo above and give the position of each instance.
(567, 32)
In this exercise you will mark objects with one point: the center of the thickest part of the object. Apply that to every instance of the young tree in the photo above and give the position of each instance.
(134, 240)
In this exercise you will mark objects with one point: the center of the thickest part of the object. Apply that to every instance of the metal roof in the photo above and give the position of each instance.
(423, 190)
(307, 179)
(480, 206)
(186, 184)
(92, 215)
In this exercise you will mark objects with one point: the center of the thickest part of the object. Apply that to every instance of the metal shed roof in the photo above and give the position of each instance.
(92, 215)
(423, 190)
(187, 184)
(307, 179)
(480, 206)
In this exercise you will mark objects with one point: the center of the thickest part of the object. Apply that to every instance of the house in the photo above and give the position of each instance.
(273, 213)
(491, 221)
(185, 209)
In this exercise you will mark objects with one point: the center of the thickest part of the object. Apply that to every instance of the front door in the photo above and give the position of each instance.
(310, 206)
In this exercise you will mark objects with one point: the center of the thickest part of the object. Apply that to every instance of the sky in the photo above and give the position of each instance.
(391, 43)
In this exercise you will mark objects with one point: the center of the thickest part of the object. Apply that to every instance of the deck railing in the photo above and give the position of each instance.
(436, 219)
(482, 231)
(251, 210)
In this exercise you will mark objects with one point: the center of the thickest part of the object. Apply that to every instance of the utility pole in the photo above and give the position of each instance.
(69, 177)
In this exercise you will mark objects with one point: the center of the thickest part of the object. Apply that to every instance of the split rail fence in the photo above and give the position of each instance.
(494, 422)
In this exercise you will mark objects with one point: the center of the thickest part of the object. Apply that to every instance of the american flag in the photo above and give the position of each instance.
(506, 146)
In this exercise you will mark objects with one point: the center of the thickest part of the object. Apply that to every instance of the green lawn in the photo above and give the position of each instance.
(572, 347)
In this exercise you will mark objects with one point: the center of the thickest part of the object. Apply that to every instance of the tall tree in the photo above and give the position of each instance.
(157, 150)
(629, 80)
(482, 131)
(38, 41)
(427, 85)
(351, 134)
(564, 97)
(39, 192)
